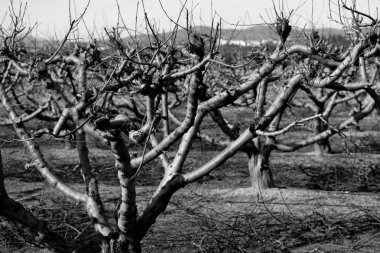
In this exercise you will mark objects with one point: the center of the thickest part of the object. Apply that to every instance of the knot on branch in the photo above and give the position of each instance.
(196, 45)
(121, 122)
(235, 130)
(253, 126)
(148, 89)
(92, 54)
(312, 71)
(11, 49)
(30, 165)
(5, 51)
(38, 70)
(283, 28)
(86, 55)
(39, 133)
(373, 38)
(139, 135)
(232, 90)
(89, 96)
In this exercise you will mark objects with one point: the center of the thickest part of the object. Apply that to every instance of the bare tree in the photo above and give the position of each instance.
(83, 96)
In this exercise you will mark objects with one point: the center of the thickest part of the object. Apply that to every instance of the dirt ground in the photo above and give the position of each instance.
(327, 204)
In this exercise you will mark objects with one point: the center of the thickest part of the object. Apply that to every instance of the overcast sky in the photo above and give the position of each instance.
(52, 16)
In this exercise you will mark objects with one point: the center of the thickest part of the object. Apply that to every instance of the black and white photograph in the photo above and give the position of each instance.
(200, 126)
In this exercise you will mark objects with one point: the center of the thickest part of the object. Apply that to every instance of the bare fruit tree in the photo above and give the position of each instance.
(124, 96)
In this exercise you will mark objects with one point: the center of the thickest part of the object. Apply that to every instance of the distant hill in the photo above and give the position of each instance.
(254, 33)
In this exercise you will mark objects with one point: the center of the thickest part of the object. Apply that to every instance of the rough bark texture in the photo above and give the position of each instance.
(323, 146)
(69, 142)
(119, 243)
(259, 170)
(127, 240)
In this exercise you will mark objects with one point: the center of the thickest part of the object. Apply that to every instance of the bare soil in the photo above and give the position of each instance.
(321, 204)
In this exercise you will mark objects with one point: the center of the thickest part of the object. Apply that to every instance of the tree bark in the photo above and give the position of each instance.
(69, 142)
(119, 243)
(323, 146)
(259, 170)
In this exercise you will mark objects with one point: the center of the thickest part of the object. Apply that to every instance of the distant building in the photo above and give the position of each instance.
(246, 43)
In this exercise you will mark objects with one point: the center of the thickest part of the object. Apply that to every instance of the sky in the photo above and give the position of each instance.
(52, 16)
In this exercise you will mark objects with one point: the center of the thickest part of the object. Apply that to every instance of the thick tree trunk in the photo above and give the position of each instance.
(69, 142)
(259, 170)
(375, 114)
(321, 147)
(118, 243)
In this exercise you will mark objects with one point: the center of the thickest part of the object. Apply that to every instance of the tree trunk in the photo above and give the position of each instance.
(375, 114)
(118, 243)
(259, 170)
(321, 147)
(69, 142)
